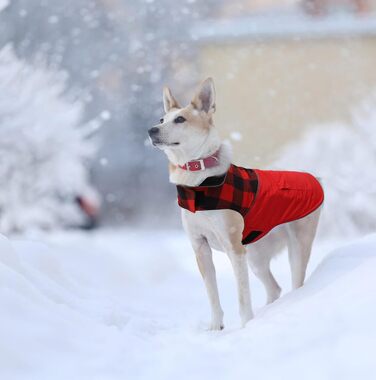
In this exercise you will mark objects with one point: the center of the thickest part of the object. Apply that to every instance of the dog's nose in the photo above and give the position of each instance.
(153, 131)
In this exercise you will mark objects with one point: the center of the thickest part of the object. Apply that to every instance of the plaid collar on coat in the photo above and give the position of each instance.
(235, 190)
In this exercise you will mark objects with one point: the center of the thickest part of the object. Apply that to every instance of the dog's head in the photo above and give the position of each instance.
(185, 129)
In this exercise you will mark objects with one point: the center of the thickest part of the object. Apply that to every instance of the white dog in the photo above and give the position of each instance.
(235, 206)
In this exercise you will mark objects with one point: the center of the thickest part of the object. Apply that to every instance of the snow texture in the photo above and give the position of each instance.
(43, 148)
(4, 4)
(116, 305)
(344, 157)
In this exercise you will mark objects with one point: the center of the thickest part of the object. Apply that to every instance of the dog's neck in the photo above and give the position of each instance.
(179, 176)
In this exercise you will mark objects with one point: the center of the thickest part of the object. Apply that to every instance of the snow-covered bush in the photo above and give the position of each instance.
(3, 4)
(43, 147)
(344, 156)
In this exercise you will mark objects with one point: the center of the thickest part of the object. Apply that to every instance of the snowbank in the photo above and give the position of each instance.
(131, 304)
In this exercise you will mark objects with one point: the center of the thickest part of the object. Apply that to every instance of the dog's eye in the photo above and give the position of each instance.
(161, 120)
(179, 119)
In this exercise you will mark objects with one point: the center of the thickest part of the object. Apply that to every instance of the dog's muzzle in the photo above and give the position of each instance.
(153, 131)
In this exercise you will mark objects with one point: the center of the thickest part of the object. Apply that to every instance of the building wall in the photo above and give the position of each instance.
(271, 92)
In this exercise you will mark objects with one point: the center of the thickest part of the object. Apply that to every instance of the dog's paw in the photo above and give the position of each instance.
(246, 318)
(274, 295)
(216, 326)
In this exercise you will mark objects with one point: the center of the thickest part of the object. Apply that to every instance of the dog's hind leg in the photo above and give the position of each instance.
(301, 233)
(260, 254)
(206, 266)
(259, 261)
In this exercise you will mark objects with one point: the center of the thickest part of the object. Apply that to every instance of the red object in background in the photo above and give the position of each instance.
(91, 210)
(265, 198)
(88, 207)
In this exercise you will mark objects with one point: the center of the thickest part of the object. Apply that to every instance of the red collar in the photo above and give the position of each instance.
(202, 164)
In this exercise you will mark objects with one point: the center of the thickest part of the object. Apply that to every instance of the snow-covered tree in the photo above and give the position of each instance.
(3, 4)
(344, 156)
(43, 147)
(123, 52)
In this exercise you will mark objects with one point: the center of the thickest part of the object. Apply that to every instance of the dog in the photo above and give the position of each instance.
(249, 214)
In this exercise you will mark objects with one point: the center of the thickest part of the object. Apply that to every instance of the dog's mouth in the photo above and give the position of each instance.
(157, 142)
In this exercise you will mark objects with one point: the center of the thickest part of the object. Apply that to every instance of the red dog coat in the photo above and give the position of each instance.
(265, 198)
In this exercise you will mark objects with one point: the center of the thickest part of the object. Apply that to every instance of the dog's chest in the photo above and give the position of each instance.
(221, 228)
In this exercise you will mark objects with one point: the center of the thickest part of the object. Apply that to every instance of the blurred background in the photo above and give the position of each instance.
(81, 82)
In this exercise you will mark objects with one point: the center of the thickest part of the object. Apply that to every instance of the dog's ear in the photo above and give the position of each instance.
(204, 100)
(169, 101)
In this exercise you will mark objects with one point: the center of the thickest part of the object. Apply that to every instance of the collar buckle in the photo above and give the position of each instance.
(196, 165)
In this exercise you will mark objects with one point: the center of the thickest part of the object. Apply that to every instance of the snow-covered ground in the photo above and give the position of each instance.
(130, 304)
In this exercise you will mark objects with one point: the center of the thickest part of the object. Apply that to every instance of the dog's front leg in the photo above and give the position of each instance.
(239, 264)
(205, 263)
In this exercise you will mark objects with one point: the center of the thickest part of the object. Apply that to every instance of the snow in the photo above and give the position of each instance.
(236, 136)
(105, 115)
(125, 304)
(4, 4)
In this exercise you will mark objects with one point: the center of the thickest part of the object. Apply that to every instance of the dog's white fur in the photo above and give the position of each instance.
(197, 138)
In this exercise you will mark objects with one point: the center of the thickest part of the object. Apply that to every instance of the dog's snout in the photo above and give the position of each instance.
(153, 131)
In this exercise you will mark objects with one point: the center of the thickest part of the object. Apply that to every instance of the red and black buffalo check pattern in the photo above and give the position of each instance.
(235, 190)
(264, 198)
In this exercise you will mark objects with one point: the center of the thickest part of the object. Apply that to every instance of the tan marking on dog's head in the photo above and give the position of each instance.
(196, 119)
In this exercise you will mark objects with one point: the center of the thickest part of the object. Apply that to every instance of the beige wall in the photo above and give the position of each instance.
(271, 92)
(236, 8)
